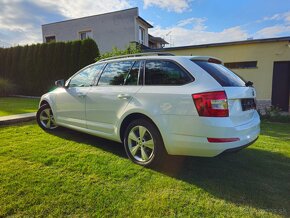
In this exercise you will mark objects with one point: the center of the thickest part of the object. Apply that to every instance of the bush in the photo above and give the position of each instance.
(34, 68)
(274, 114)
(6, 87)
(131, 49)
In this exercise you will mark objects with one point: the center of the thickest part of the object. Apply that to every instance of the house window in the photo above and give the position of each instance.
(85, 34)
(50, 39)
(141, 36)
(241, 65)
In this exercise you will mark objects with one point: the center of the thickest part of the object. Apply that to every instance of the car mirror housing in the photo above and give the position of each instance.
(59, 83)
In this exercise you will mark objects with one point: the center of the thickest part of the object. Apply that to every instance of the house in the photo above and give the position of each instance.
(115, 29)
(156, 42)
(266, 62)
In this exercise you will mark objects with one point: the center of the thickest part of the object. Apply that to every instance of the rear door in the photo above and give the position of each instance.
(241, 98)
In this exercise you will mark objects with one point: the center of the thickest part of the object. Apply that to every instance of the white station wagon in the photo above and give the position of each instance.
(157, 104)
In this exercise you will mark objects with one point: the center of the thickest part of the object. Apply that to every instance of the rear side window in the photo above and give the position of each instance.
(159, 72)
(221, 74)
(132, 78)
(115, 73)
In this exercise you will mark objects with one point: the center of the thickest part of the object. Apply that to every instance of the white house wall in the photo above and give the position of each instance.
(108, 30)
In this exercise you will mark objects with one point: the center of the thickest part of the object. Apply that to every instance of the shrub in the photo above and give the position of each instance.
(6, 87)
(34, 68)
(131, 49)
(274, 114)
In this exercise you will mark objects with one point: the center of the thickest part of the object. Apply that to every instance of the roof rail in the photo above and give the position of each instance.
(138, 55)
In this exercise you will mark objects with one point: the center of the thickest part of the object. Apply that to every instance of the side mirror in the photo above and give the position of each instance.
(59, 83)
(249, 84)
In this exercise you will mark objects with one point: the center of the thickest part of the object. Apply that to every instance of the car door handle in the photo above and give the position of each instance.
(124, 96)
(81, 95)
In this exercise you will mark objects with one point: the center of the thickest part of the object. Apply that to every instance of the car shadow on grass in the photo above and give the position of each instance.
(252, 177)
(104, 144)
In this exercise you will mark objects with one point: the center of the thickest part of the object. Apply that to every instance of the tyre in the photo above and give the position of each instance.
(143, 143)
(45, 118)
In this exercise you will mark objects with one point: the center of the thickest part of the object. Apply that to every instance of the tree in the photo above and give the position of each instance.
(88, 52)
(34, 68)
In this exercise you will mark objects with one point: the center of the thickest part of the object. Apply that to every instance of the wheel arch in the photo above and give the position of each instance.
(46, 99)
(43, 102)
(134, 116)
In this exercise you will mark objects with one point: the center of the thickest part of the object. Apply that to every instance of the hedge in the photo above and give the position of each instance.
(33, 69)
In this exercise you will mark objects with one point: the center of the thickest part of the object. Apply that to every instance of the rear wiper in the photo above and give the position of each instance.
(249, 84)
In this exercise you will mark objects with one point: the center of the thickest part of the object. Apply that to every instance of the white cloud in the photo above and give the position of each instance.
(21, 20)
(198, 23)
(281, 16)
(169, 5)
(81, 8)
(272, 31)
(193, 31)
(287, 17)
(180, 36)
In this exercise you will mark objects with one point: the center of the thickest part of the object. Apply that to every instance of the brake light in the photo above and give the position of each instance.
(211, 104)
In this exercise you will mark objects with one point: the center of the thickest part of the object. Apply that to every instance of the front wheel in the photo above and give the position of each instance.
(143, 143)
(45, 118)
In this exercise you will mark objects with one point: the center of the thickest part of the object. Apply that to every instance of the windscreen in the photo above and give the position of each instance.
(221, 74)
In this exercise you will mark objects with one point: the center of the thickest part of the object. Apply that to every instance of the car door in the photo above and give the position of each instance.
(115, 89)
(70, 101)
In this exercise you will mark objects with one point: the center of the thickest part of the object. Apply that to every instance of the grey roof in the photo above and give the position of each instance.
(157, 39)
(144, 21)
(251, 41)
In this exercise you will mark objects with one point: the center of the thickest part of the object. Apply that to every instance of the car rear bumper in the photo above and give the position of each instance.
(236, 149)
(191, 138)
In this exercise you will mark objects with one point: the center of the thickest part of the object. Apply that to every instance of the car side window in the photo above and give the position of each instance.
(133, 75)
(86, 77)
(115, 73)
(162, 72)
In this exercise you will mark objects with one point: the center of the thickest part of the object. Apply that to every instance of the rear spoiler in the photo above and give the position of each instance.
(206, 58)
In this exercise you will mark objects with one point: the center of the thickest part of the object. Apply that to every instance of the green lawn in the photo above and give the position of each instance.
(14, 105)
(73, 174)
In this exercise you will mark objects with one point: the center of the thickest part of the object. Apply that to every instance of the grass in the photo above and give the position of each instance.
(73, 174)
(14, 105)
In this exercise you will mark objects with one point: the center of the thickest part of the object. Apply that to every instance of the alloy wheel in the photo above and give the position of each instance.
(141, 144)
(47, 119)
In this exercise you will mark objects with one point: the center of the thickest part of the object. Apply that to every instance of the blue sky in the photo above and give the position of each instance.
(180, 22)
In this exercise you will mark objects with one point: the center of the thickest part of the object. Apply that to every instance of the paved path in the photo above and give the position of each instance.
(17, 118)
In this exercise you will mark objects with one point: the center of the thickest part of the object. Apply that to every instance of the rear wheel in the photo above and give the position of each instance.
(45, 118)
(143, 143)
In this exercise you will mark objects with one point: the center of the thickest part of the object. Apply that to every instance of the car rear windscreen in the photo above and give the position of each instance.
(221, 74)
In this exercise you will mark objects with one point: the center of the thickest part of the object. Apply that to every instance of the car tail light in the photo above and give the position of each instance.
(221, 140)
(211, 104)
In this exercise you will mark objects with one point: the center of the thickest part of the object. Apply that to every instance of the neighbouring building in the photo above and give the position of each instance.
(266, 62)
(115, 29)
(156, 42)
